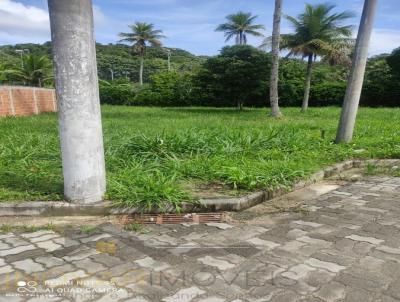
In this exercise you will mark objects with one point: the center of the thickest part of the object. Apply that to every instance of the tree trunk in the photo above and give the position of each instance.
(239, 105)
(356, 78)
(273, 88)
(307, 84)
(77, 89)
(141, 69)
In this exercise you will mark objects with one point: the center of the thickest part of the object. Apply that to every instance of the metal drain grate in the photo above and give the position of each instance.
(172, 218)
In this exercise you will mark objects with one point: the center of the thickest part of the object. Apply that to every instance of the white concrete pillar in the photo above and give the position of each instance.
(77, 90)
(356, 78)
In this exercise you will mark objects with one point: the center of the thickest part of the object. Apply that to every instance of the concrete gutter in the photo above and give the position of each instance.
(61, 208)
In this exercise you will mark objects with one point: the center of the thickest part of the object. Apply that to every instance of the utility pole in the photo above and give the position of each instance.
(21, 53)
(169, 59)
(112, 74)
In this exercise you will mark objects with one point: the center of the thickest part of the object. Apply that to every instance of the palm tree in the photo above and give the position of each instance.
(273, 88)
(318, 33)
(34, 71)
(141, 34)
(240, 25)
(355, 81)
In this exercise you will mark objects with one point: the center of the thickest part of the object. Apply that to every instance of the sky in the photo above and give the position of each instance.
(187, 24)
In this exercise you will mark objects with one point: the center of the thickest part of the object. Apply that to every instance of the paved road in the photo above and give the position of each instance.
(342, 246)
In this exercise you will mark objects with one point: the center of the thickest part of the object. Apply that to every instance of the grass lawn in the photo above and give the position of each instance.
(158, 155)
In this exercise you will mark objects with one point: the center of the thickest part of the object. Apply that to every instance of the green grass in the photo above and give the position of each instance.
(88, 229)
(7, 228)
(152, 154)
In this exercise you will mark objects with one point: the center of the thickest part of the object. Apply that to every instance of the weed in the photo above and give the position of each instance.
(88, 229)
(5, 228)
(135, 227)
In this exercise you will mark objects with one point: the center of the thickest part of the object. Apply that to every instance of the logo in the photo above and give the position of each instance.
(27, 287)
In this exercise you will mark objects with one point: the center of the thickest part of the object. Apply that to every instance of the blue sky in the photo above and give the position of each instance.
(188, 24)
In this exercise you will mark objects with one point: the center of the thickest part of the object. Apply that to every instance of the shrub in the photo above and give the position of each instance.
(328, 93)
(116, 94)
(145, 96)
(173, 88)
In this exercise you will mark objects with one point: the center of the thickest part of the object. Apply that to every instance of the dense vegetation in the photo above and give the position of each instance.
(159, 155)
(199, 81)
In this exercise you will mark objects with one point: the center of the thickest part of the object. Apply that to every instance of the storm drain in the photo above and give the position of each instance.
(173, 218)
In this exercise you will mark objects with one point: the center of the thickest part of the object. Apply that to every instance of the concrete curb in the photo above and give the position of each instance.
(60, 208)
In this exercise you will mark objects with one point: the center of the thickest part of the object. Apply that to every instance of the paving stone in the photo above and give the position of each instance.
(220, 264)
(149, 262)
(43, 238)
(393, 289)
(96, 237)
(17, 250)
(292, 246)
(331, 292)
(298, 271)
(388, 249)
(222, 226)
(185, 295)
(263, 243)
(4, 246)
(310, 240)
(167, 239)
(66, 242)
(89, 265)
(212, 299)
(15, 241)
(37, 234)
(308, 223)
(329, 266)
(106, 259)
(28, 266)
(137, 299)
(49, 245)
(6, 269)
(80, 255)
(50, 261)
(371, 240)
(295, 233)
(66, 278)
(359, 295)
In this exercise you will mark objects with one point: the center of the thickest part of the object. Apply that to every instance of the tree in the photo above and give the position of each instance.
(239, 75)
(355, 82)
(141, 34)
(273, 85)
(393, 61)
(240, 25)
(35, 70)
(318, 32)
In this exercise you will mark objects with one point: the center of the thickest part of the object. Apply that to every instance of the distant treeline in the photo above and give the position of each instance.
(237, 74)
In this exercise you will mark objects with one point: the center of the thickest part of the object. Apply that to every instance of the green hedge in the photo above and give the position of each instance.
(116, 94)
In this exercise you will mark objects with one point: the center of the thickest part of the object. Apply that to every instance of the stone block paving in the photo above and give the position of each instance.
(342, 246)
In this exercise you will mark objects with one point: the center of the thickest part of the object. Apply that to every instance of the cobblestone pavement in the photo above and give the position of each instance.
(342, 246)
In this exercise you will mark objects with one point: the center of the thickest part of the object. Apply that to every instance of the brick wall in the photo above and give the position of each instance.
(18, 100)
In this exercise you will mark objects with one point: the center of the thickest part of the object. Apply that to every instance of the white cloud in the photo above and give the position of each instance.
(22, 23)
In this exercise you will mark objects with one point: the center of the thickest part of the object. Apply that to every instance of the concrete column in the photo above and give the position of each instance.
(77, 92)
(356, 78)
